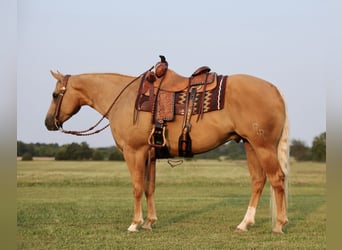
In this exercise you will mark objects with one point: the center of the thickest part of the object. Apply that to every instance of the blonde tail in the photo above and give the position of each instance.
(283, 157)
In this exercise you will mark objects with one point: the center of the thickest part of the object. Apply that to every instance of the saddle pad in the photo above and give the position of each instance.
(213, 99)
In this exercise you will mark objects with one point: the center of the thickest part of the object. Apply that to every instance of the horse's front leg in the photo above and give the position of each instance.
(135, 160)
(150, 179)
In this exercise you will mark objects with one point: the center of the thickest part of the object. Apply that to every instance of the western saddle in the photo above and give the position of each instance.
(165, 94)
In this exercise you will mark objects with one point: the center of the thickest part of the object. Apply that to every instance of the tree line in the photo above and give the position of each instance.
(72, 151)
(231, 150)
(317, 152)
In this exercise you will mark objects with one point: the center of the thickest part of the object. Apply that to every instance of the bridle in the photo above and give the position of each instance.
(60, 96)
(86, 132)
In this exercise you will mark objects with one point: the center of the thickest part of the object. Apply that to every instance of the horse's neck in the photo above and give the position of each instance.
(100, 90)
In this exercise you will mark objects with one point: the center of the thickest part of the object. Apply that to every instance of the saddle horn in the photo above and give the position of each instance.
(162, 59)
(161, 67)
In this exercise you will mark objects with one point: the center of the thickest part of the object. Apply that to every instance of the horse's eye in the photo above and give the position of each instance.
(54, 95)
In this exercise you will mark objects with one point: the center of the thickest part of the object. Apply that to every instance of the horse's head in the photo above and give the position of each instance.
(65, 102)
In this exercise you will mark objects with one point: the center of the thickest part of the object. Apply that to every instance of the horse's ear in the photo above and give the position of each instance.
(58, 76)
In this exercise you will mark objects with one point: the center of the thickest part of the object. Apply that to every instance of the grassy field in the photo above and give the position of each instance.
(89, 205)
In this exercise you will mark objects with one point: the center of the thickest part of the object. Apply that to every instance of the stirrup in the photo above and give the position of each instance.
(157, 137)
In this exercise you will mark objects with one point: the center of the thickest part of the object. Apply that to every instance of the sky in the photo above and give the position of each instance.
(289, 43)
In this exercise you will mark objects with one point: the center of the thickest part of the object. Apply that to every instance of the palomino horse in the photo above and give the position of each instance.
(254, 111)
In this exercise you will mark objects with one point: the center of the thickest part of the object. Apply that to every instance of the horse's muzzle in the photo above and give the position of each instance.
(51, 124)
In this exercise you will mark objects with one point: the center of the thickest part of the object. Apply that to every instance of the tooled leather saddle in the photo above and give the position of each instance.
(165, 94)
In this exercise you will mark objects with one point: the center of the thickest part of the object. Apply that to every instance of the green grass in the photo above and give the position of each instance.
(89, 205)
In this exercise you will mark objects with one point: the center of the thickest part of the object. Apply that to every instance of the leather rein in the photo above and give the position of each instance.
(87, 131)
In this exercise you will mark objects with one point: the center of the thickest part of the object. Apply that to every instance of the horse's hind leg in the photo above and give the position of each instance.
(149, 186)
(258, 178)
(269, 160)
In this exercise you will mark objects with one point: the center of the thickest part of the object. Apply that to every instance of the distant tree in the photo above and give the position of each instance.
(319, 148)
(47, 150)
(300, 151)
(74, 151)
(25, 148)
(116, 155)
(236, 151)
(86, 151)
(61, 154)
(21, 148)
(27, 157)
(37, 149)
(105, 151)
(230, 150)
(98, 156)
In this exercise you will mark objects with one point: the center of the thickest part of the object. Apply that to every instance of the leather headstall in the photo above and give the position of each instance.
(59, 100)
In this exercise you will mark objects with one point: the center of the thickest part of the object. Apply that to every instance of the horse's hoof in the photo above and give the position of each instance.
(239, 230)
(147, 227)
(275, 231)
(148, 224)
(133, 228)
